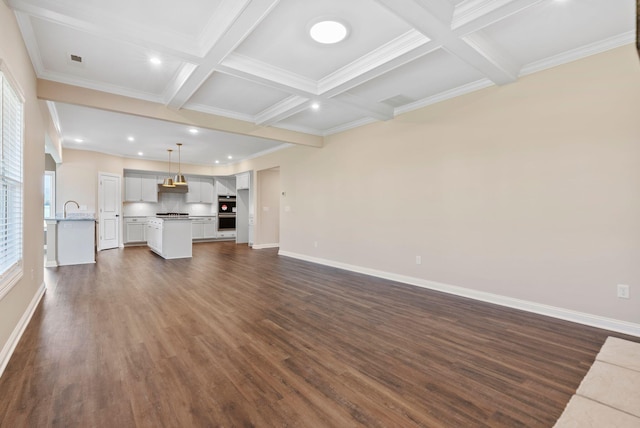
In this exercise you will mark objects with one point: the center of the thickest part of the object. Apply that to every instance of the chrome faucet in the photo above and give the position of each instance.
(65, 207)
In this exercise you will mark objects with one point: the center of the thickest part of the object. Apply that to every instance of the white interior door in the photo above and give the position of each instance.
(108, 210)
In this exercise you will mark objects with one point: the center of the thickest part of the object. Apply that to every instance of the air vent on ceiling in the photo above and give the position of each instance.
(398, 100)
(76, 58)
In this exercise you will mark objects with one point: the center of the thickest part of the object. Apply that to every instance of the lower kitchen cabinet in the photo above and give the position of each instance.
(135, 230)
(226, 234)
(203, 228)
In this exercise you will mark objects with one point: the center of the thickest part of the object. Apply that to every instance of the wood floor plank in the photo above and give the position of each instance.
(241, 337)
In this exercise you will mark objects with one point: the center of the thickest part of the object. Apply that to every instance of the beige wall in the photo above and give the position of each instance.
(530, 190)
(13, 52)
(268, 207)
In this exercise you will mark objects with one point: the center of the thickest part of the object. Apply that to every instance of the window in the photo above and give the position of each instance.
(49, 194)
(11, 133)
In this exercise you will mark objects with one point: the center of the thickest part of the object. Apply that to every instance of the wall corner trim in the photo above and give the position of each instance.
(597, 321)
(18, 331)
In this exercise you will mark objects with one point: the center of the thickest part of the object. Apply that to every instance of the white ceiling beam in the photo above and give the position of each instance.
(474, 15)
(267, 75)
(424, 20)
(378, 111)
(282, 110)
(397, 52)
(485, 57)
(250, 17)
(442, 9)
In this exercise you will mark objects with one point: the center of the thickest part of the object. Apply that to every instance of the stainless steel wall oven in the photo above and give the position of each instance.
(226, 213)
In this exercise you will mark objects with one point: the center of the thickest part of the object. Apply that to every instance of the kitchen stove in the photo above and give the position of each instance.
(164, 215)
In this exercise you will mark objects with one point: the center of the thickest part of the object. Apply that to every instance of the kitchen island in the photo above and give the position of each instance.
(70, 241)
(169, 237)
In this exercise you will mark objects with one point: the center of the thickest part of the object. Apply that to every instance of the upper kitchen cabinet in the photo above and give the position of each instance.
(200, 190)
(226, 185)
(140, 187)
(243, 180)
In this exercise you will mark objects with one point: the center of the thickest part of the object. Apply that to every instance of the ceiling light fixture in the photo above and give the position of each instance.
(79, 140)
(131, 139)
(140, 154)
(193, 130)
(155, 60)
(217, 161)
(328, 32)
(168, 181)
(179, 179)
(229, 157)
(315, 106)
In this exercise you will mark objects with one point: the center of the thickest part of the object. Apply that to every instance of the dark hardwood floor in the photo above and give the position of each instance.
(241, 337)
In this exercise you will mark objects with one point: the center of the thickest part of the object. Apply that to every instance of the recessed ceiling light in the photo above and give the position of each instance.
(193, 130)
(315, 106)
(328, 32)
(155, 60)
(229, 157)
(140, 153)
(79, 140)
(131, 139)
(217, 161)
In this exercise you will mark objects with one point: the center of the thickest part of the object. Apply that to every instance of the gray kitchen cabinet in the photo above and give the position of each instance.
(203, 228)
(200, 190)
(197, 229)
(140, 188)
(135, 230)
(226, 186)
(243, 181)
(226, 234)
(209, 228)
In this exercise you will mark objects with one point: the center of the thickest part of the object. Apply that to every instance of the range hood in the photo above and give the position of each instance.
(177, 189)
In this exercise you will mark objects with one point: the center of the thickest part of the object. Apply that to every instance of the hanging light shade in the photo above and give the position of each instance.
(168, 182)
(179, 179)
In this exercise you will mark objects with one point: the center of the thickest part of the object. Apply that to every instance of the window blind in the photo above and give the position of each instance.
(11, 126)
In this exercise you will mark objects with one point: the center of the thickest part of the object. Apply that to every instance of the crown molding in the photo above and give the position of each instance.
(579, 53)
(446, 95)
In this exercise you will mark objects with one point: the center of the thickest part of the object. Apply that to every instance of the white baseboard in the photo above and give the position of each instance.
(263, 246)
(625, 327)
(10, 346)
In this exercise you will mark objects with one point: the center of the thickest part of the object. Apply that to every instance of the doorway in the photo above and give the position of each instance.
(108, 211)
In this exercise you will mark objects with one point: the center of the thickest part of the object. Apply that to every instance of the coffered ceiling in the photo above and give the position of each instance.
(253, 60)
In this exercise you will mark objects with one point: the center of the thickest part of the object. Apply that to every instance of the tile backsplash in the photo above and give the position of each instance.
(167, 202)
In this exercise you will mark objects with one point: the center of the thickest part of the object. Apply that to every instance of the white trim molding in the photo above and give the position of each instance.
(263, 246)
(18, 331)
(619, 326)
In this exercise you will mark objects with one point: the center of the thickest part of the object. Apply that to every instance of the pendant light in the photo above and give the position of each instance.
(179, 179)
(168, 182)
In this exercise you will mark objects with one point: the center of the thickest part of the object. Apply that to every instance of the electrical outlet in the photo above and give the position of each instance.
(418, 260)
(623, 291)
